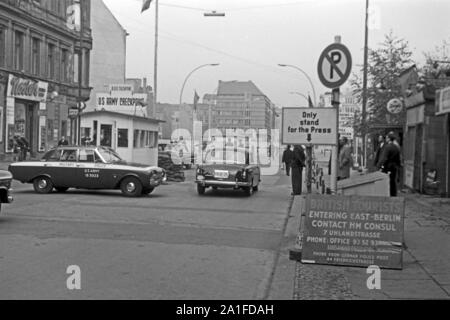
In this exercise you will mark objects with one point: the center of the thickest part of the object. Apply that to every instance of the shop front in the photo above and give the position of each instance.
(425, 145)
(25, 114)
(443, 113)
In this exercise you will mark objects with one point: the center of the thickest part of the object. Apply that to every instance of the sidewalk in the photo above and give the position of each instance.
(426, 260)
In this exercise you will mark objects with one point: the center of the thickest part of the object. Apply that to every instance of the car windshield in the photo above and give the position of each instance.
(109, 156)
(226, 156)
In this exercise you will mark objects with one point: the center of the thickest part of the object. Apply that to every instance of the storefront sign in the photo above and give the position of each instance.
(443, 101)
(354, 231)
(27, 89)
(124, 88)
(309, 126)
(105, 100)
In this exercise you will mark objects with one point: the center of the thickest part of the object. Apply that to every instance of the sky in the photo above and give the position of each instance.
(256, 35)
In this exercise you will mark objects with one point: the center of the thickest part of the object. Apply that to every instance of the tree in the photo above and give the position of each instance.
(385, 63)
(437, 62)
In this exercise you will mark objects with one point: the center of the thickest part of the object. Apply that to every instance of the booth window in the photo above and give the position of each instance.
(122, 138)
(136, 139)
(105, 135)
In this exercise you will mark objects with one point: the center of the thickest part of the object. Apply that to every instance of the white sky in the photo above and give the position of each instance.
(256, 35)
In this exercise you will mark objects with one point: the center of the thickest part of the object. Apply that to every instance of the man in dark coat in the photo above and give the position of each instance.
(63, 142)
(297, 164)
(288, 156)
(24, 146)
(390, 163)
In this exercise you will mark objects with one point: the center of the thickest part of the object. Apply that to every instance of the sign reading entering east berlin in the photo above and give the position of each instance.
(354, 231)
(335, 65)
(309, 126)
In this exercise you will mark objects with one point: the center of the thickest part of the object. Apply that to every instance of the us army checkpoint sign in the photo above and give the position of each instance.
(335, 65)
(309, 126)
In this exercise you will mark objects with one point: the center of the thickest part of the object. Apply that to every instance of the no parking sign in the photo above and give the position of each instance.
(335, 65)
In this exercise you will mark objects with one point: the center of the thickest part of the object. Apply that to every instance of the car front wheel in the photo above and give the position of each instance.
(200, 189)
(131, 187)
(42, 185)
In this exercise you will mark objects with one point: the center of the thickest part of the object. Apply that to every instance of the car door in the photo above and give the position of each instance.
(89, 173)
(65, 170)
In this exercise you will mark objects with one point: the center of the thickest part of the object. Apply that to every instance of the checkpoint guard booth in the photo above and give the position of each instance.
(135, 138)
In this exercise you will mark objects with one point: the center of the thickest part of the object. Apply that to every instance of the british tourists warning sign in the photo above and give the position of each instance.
(354, 231)
(309, 126)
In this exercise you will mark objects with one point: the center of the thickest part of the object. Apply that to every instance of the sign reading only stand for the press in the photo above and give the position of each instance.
(354, 231)
(309, 126)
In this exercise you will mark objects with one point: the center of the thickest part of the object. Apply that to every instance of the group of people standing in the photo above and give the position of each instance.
(20, 147)
(387, 159)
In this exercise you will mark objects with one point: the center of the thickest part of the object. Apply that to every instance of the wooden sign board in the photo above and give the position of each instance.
(354, 231)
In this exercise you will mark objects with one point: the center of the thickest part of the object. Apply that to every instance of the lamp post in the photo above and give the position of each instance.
(300, 94)
(306, 75)
(194, 115)
(190, 73)
(308, 147)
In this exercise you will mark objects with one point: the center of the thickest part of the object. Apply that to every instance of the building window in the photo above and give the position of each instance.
(18, 50)
(51, 61)
(122, 138)
(76, 59)
(35, 56)
(65, 65)
(2, 47)
(143, 139)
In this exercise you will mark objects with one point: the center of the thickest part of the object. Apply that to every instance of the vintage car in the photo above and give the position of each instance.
(87, 167)
(5, 186)
(229, 168)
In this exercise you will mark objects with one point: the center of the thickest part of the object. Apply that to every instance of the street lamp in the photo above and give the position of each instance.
(300, 94)
(190, 73)
(306, 75)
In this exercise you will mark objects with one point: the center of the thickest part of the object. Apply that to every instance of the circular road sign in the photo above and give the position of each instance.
(335, 65)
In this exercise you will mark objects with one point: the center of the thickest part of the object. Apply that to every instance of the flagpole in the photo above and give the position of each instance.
(155, 67)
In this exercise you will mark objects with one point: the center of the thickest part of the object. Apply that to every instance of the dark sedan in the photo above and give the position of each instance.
(5, 186)
(230, 168)
(87, 168)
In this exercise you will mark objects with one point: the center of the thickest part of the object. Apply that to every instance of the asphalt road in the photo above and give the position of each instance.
(172, 244)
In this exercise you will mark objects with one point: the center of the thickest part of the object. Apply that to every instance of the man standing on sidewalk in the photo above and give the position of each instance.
(390, 163)
(298, 162)
(288, 156)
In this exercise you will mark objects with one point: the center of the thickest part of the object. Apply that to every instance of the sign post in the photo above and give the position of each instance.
(334, 67)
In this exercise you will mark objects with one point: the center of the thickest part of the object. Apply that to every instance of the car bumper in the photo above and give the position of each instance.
(6, 196)
(228, 184)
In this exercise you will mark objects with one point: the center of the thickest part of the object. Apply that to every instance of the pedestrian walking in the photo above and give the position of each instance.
(288, 156)
(297, 165)
(63, 142)
(345, 159)
(390, 163)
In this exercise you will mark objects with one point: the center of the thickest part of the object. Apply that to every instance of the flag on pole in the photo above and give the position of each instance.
(145, 5)
(311, 104)
(196, 98)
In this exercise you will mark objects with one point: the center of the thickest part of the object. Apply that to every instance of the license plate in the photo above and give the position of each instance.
(221, 174)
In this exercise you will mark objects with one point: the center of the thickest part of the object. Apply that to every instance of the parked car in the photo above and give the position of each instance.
(231, 168)
(5, 187)
(87, 167)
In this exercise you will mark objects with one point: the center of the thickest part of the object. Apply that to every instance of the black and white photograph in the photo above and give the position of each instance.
(224, 155)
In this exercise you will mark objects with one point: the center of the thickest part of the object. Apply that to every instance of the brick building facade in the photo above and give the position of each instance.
(39, 70)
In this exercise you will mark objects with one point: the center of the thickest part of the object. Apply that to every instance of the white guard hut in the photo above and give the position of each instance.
(135, 138)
